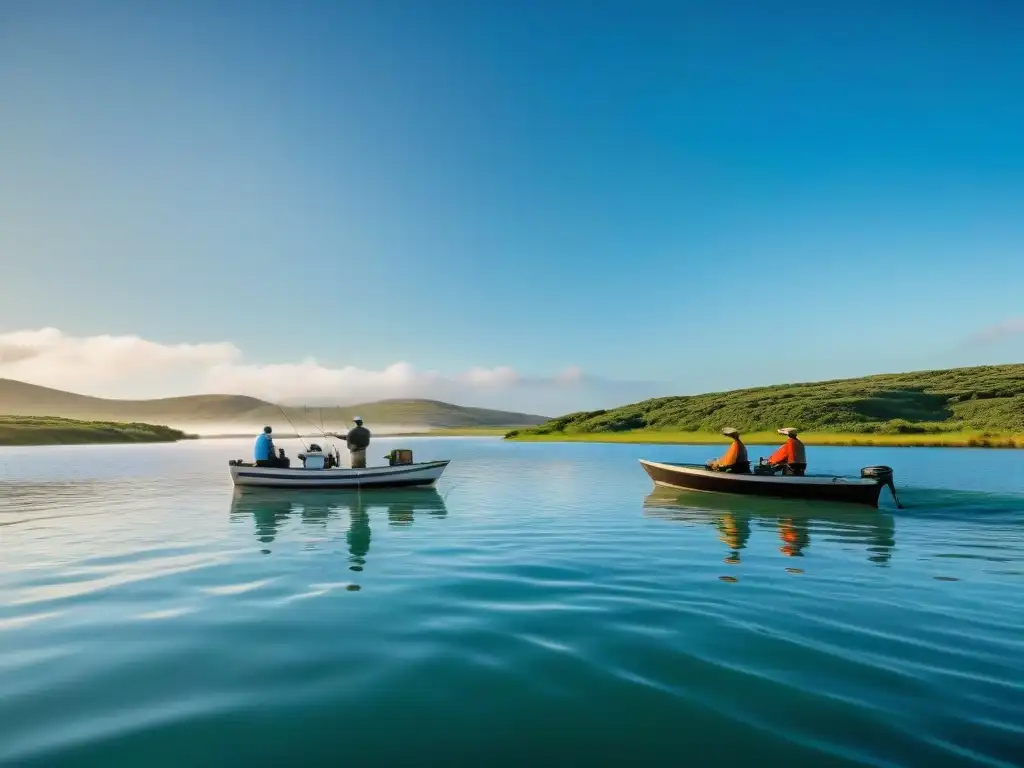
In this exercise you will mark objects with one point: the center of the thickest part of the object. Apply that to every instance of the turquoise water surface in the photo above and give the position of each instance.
(544, 605)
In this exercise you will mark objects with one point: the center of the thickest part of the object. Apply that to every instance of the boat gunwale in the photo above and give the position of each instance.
(422, 475)
(338, 473)
(340, 485)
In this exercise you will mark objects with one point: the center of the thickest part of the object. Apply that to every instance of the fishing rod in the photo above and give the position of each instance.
(292, 425)
(323, 432)
(337, 452)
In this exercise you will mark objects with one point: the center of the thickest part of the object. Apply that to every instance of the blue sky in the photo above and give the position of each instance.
(648, 191)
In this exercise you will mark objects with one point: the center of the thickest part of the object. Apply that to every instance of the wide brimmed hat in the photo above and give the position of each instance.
(731, 432)
(788, 431)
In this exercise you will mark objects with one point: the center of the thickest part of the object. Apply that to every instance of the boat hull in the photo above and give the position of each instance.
(818, 488)
(403, 476)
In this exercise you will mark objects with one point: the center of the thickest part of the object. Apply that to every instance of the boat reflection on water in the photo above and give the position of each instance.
(270, 509)
(794, 521)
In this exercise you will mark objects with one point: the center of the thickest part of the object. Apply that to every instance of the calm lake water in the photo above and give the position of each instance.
(542, 606)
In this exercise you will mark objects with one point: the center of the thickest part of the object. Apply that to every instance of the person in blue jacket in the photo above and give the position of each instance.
(264, 454)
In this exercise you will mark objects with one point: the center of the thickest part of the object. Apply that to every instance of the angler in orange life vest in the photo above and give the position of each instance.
(791, 456)
(735, 458)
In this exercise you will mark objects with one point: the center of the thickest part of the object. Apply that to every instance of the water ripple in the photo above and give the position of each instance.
(544, 595)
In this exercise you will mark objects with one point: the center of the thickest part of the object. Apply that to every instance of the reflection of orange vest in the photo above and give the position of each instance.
(736, 454)
(791, 452)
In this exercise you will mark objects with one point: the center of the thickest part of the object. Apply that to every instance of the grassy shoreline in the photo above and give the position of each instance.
(966, 439)
(50, 430)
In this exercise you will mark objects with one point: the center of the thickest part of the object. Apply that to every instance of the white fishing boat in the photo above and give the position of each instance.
(407, 476)
(320, 470)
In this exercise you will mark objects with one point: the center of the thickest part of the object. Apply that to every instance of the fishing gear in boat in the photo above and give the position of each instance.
(331, 456)
(317, 470)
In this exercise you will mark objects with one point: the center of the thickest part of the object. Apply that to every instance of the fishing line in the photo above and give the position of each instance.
(292, 425)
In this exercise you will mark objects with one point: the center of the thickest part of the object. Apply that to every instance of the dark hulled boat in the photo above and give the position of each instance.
(856, 490)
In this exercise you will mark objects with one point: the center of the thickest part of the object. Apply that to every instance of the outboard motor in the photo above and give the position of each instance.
(399, 456)
(884, 475)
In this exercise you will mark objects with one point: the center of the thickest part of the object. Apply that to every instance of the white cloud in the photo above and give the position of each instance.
(571, 376)
(132, 367)
(94, 363)
(311, 382)
(502, 376)
(1004, 330)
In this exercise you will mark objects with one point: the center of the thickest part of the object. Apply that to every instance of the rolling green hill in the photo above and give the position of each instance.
(988, 398)
(238, 413)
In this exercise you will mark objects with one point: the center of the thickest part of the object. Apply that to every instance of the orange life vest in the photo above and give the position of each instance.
(736, 454)
(791, 452)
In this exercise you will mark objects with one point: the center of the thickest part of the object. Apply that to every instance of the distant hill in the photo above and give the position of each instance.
(238, 413)
(49, 430)
(982, 398)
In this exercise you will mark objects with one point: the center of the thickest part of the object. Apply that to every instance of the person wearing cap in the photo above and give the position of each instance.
(358, 440)
(735, 458)
(791, 456)
(264, 453)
